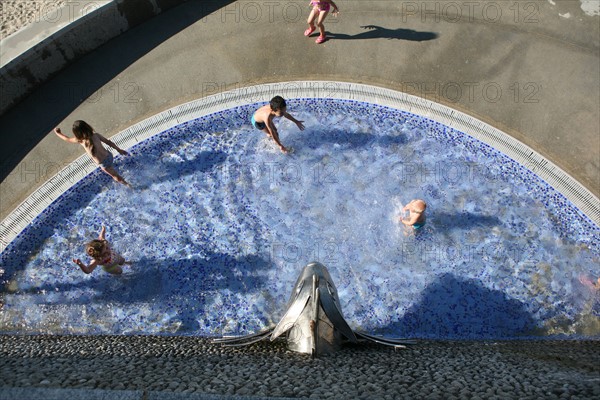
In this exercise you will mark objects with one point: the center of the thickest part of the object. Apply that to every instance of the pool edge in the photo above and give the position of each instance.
(576, 193)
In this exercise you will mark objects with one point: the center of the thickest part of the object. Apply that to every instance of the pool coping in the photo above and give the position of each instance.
(52, 189)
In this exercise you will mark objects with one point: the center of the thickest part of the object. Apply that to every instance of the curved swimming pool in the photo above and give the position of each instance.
(220, 223)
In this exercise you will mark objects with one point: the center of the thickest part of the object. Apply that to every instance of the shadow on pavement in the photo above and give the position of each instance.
(31, 120)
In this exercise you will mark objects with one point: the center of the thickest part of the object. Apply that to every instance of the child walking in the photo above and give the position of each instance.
(262, 119)
(320, 9)
(102, 254)
(92, 143)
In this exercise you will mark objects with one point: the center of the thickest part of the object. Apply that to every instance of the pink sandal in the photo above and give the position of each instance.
(309, 31)
(321, 39)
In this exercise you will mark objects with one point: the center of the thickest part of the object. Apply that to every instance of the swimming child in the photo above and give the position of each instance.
(320, 9)
(262, 119)
(92, 143)
(416, 217)
(102, 254)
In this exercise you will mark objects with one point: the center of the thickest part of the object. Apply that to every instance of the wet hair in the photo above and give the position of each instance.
(277, 103)
(95, 248)
(84, 132)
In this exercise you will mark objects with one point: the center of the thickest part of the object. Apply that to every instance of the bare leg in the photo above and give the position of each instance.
(266, 131)
(322, 16)
(275, 137)
(311, 18)
(115, 175)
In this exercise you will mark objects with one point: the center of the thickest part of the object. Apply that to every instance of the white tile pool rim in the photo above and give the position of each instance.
(52, 189)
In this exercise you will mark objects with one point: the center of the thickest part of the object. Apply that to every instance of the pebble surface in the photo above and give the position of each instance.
(429, 369)
(16, 14)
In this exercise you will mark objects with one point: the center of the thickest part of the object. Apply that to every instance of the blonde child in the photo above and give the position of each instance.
(320, 9)
(416, 217)
(102, 254)
(262, 119)
(92, 143)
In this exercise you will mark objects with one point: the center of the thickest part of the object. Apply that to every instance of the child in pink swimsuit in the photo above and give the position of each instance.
(320, 8)
(102, 254)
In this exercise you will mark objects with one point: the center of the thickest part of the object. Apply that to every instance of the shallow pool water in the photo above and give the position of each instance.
(220, 223)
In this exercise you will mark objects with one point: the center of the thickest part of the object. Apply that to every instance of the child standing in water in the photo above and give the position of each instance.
(320, 9)
(102, 254)
(92, 143)
(416, 216)
(262, 119)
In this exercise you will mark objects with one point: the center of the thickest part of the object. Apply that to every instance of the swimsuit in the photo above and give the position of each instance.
(112, 262)
(108, 161)
(111, 269)
(321, 5)
(258, 125)
(418, 225)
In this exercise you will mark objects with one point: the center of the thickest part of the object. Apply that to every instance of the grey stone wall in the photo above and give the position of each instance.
(21, 76)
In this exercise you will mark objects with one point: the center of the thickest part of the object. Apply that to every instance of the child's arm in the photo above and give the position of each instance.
(412, 217)
(65, 137)
(102, 233)
(299, 124)
(335, 7)
(411, 220)
(112, 144)
(88, 269)
(274, 134)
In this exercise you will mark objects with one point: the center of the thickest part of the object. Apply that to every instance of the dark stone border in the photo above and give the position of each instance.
(193, 368)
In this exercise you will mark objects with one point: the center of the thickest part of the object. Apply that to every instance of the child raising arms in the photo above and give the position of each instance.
(102, 254)
(92, 143)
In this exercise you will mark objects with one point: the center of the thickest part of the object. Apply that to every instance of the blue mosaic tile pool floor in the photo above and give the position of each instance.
(220, 223)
